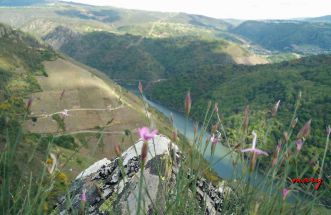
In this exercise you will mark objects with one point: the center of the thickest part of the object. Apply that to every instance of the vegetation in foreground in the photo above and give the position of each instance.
(270, 197)
(35, 192)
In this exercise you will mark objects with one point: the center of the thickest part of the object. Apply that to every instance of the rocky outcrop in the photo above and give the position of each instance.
(59, 36)
(112, 186)
(5, 30)
(9, 35)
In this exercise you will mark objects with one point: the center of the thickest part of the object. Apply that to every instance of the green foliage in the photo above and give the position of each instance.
(288, 36)
(260, 87)
(33, 85)
(66, 141)
(24, 51)
(4, 78)
(24, 187)
(12, 111)
(236, 86)
(278, 58)
(21, 58)
(129, 57)
(60, 121)
(83, 140)
(44, 142)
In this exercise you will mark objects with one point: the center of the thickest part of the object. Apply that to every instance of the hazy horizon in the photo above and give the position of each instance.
(225, 9)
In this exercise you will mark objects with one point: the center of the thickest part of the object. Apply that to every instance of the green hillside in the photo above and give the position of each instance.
(131, 57)
(21, 57)
(61, 108)
(288, 36)
(110, 19)
(41, 150)
(42, 20)
(260, 87)
(31, 70)
(35, 84)
(236, 86)
(307, 36)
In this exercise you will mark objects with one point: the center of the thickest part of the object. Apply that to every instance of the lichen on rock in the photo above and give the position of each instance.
(112, 186)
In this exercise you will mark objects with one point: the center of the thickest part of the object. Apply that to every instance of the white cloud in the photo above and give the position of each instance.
(240, 9)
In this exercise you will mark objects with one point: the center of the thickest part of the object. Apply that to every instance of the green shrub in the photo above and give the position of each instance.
(66, 141)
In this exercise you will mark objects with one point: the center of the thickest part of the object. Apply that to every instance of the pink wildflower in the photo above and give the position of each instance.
(299, 144)
(254, 149)
(305, 130)
(118, 150)
(174, 136)
(147, 134)
(285, 192)
(216, 107)
(188, 103)
(83, 196)
(64, 113)
(140, 87)
(214, 140)
(29, 104)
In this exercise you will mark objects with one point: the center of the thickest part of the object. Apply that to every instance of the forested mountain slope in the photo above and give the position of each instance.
(260, 87)
(132, 57)
(288, 36)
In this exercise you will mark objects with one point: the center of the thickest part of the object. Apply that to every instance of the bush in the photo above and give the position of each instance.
(67, 142)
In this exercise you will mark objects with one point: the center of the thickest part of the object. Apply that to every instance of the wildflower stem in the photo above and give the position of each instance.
(202, 130)
(186, 122)
(140, 187)
(223, 130)
(325, 150)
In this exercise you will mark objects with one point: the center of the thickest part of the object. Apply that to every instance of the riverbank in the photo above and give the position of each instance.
(221, 162)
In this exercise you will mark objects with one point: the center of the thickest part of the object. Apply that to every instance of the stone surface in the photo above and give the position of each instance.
(112, 187)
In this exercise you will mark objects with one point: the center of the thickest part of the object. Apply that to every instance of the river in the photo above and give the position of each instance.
(224, 167)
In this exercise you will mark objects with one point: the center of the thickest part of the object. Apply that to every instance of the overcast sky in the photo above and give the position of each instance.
(239, 9)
